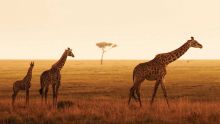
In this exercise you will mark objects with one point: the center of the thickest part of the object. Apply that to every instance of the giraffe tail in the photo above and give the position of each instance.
(13, 88)
(42, 87)
(41, 91)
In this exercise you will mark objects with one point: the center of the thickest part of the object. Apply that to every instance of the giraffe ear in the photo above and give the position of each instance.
(192, 38)
(32, 62)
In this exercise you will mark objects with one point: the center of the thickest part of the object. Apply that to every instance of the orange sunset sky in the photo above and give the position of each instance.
(42, 29)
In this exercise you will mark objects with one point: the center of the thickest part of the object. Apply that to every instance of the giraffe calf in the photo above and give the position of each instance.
(23, 84)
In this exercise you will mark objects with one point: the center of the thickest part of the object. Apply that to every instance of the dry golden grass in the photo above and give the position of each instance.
(99, 94)
(105, 110)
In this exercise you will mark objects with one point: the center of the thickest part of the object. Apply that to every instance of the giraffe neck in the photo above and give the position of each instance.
(28, 76)
(174, 55)
(60, 63)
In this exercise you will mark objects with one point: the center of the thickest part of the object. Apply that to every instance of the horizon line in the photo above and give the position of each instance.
(95, 59)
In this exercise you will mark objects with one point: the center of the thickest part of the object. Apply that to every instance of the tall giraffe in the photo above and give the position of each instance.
(155, 70)
(24, 84)
(53, 77)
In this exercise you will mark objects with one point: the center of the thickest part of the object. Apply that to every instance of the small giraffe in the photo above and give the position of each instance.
(155, 70)
(53, 77)
(24, 84)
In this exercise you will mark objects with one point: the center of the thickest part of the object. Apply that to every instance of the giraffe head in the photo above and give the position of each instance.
(194, 43)
(69, 52)
(32, 64)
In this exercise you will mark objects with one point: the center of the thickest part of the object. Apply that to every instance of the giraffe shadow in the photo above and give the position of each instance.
(64, 104)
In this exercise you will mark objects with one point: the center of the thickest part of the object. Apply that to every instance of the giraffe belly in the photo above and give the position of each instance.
(53, 81)
(150, 78)
(155, 73)
(50, 77)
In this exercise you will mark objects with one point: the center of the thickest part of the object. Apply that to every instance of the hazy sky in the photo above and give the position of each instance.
(42, 29)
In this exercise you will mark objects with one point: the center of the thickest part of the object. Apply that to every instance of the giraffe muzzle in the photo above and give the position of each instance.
(200, 46)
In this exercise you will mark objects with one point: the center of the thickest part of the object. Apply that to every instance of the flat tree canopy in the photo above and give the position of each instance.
(103, 46)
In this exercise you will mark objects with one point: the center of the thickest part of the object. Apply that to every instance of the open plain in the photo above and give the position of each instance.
(99, 94)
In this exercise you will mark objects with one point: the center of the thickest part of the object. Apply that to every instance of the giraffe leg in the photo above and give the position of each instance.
(42, 96)
(42, 93)
(155, 91)
(134, 90)
(164, 92)
(27, 97)
(57, 91)
(46, 93)
(54, 94)
(14, 96)
(139, 95)
(41, 90)
(130, 95)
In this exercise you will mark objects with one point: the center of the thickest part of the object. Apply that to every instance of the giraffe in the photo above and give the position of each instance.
(53, 77)
(155, 70)
(24, 84)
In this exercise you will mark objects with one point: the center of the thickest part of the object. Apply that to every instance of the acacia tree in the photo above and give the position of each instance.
(105, 46)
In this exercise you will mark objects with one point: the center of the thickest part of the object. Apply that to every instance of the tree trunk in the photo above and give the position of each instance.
(102, 57)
